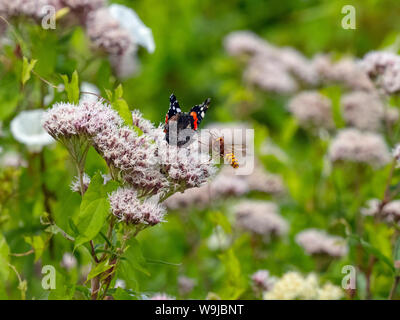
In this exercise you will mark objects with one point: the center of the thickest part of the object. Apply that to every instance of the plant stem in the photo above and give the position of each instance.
(95, 287)
(394, 287)
(95, 282)
(370, 267)
(109, 234)
(46, 197)
(114, 262)
(386, 194)
(93, 252)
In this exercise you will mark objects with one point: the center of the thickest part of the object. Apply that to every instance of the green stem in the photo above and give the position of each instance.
(394, 287)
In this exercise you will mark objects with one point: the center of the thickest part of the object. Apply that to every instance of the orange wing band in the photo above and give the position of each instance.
(195, 119)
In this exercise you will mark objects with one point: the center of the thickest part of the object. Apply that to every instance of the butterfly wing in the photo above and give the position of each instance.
(198, 112)
(174, 108)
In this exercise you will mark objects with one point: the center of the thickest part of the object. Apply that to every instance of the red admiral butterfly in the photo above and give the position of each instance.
(179, 120)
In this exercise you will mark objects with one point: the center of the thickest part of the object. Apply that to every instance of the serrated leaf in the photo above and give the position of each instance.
(37, 244)
(27, 67)
(94, 209)
(72, 87)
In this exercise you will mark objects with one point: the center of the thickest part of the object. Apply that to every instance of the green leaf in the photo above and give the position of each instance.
(397, 250)
(396, 256)
(134, 257)
(234, 284)
(63, 290)
(9, 95)
(37, 244)
(72, 87)
(62, 12)
(109, 94)
(94, 209)
(121, 106)
(27, 67)
(379, 236)
(54, 229)
(125, 272)
(374, 251)
(122, 294)
(218, 218)
(119, 91)
(4, 259)
(98, 269)
(291, 126)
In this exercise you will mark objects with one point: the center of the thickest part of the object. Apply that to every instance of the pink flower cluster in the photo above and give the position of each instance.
(384, 67)
(227, 184)
(312, 109)
(262, 281)
(390, 212)
(185, 167)
(27, 8)
(356, 146)
(127, 207)
(316, 241)
(261, 218)
(285, 70)
(35, 8)
(86, 119)
(146, 163)
(107, 34)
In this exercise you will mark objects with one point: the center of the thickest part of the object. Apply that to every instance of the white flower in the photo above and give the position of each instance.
(129, 20)
(294, 285)
(218, 240)
(396, 152)
(68, 261)
(27, 129)
(120, 284)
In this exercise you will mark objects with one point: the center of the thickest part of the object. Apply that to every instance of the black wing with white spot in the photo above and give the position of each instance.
(173, 107)
(201, 110)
